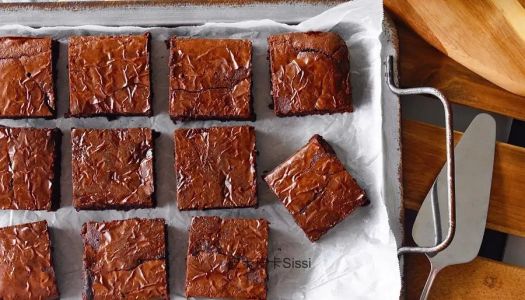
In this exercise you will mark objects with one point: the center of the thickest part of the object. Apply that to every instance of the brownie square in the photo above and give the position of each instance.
(210, 79)
(215, 167)
(109, 76)
(112, 168)
(316, 188)
(26, 81)
(29, 168)
(310, 74)
(125, 259)
(26, 266)
(227, 258)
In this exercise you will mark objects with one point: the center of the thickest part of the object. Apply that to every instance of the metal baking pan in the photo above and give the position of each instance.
(159, 13)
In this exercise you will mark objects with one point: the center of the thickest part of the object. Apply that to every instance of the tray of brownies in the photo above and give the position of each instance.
(155, 151)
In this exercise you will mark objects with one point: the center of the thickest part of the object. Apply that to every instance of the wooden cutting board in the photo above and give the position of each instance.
(486, 36)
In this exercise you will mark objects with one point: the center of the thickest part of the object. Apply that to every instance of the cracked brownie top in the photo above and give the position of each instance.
(112, 168)
(26, 266)
(125, 259)
(310, 73)
(28, 168)
(227, 258)
(315, 188)
(215, 167)
(210, 79)
(26, 81)
(109, 75)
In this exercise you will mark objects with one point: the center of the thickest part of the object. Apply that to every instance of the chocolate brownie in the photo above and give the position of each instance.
(125, 259)
(26, 266)
(109, 76)
(29, 168)
(227, 258)
(215, 167)
(310, 73)
(112, 168)
(210, 79)
(315, 188)
(26, 81)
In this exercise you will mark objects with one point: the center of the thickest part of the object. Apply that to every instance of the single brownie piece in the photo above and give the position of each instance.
(109, 76)
(315, 188)
(26, 266)
(310, 73)
(112, 168)
(125, 259)
(215, 167)
(227, 258)
(26, 81)
(210, 79)
(29, 168)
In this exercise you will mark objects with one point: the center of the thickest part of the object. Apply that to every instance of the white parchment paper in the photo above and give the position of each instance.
(355, 260)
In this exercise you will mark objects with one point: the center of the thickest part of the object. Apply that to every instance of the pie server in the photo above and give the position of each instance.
(474, 159)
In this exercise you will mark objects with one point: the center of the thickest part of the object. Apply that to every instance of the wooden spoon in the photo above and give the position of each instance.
(486, 36)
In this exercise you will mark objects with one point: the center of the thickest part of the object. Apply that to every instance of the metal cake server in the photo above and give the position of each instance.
(474, 165)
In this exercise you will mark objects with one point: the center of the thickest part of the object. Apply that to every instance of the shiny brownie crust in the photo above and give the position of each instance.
(109, 76)
(316, 188)
(113, 168)
(227, 258)
(125, 259)
(29, 168)
(26, 264)
(310, 73)
(215, 167)
(26, 84)
(210, 79)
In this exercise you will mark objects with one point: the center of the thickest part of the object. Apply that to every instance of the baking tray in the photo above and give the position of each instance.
(158, 13)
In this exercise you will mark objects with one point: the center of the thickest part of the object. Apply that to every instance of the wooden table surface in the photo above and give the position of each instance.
(425, 61)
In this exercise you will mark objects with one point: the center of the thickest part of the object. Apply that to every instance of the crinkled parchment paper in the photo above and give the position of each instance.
(355, 260)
